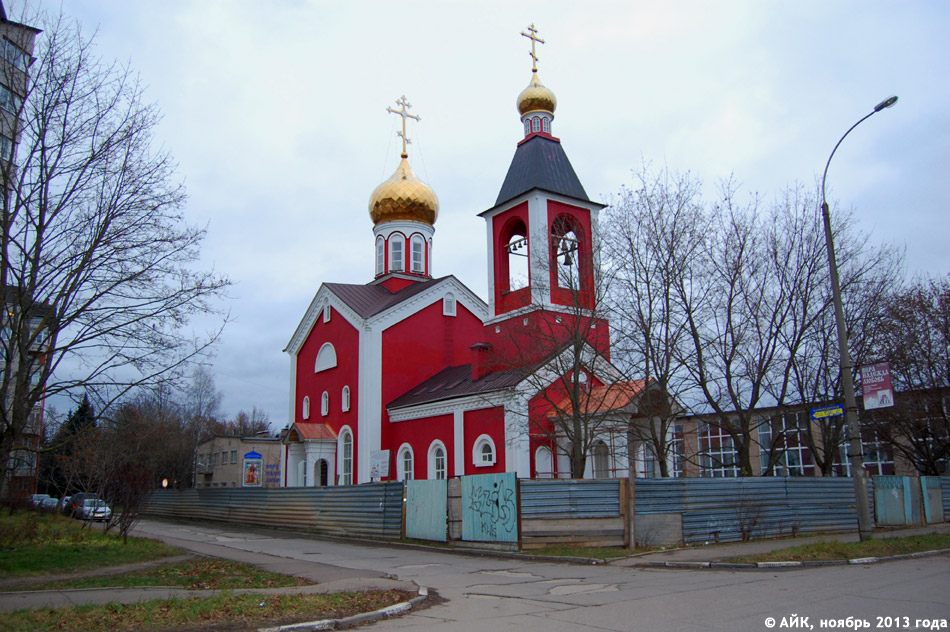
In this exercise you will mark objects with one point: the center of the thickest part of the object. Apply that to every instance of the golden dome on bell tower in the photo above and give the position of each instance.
(403, 196)
(536, 97)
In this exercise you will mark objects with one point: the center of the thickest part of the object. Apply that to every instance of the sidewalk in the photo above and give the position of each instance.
(700, 556)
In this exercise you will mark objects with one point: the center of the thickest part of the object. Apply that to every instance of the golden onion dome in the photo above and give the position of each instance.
(403, 197)
(536, 97)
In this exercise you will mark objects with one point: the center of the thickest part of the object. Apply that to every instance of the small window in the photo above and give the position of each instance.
(437, 461)
(326, 313)
(345, 399)
(546, 125)
(536, 124)
(325, 404)
(233, 456)
(483, 454)
(404, 463)
(12, 53)
(6, 148)
(306, 408)
(396, 252)
(9, 101)
(418, 254)
(527, 127)
(224, 458)
(380, 256)
(346, 457)
(448, 305)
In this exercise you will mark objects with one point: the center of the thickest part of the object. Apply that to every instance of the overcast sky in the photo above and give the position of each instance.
(276, 114)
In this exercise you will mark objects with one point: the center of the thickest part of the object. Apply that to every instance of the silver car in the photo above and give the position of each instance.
(93, 509)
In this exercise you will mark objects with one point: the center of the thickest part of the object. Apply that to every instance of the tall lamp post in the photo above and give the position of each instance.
(856, 456)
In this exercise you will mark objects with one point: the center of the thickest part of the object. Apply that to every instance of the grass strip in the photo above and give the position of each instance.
(836, 550)
(36, 544)
(200, 574)
(238, 611)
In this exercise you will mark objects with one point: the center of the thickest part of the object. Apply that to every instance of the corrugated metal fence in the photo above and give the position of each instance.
(365, 510)
(728, 510)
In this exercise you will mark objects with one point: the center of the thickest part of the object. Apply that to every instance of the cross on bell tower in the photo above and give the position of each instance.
(532, 35)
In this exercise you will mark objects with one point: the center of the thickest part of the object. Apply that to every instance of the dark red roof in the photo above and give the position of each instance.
(456, 381)
(371, 299)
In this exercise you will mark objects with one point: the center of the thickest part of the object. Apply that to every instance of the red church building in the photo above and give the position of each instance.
(415, 376)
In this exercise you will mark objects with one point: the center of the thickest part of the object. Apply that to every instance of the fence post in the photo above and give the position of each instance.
(624, 511)
(518, 509)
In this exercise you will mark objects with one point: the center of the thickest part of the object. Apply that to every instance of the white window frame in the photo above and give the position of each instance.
(346, 455)
(380, 256)
(327, 311)
(305, 413)
(550, 458)
(325, 404)
(417, 248)
(345, 399)
(478, 456)
(437, 472)
(449, 305)
(397, 260)
(402, 472)
(326, 358)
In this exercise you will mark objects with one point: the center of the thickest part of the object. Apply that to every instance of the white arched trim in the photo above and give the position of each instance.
(417, 254)
(306, 407)
(543, 463)
(438, 460)
(326, 358)
(397, 252)
(345, 399)
(345, 451)
(325, 404)
(405, 463)
(380, 255)
(483, 454)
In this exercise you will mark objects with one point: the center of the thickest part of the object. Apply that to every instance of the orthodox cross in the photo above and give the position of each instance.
(404, 113)
(533, 36)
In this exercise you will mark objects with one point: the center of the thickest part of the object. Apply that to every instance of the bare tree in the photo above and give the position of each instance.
(653, 242)
(248, 424)
(916, 341)
(96, 258)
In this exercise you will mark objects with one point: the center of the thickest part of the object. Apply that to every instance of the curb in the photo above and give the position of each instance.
(365, 617)
(790, 564)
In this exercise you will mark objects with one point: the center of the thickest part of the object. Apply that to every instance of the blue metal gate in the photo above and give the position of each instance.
(931, 494)
(426, 510)
(490, 508)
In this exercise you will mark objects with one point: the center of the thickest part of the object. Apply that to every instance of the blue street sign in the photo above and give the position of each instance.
(836, 410)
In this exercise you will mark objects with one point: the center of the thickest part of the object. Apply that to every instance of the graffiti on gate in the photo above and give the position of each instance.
(494, 508)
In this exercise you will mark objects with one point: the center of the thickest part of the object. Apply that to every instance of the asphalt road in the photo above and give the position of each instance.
(495, 594)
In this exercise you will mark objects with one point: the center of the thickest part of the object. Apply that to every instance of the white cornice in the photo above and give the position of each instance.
(447, 406)
(314, 311)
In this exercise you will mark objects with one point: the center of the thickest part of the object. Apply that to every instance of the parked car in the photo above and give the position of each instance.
(36, 500)
(75, 501)
(49, 504)
(93, 509)
(64, 505)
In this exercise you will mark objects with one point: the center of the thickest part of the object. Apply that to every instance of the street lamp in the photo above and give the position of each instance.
(856, 457)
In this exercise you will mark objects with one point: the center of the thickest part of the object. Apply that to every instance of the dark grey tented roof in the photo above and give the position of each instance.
(540, 163)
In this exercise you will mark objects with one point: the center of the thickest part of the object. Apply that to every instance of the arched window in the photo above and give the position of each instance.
(437, 461)
(345, 399)
(380, 256)
(325, 404)
(517, 248)
(326, 358)
(565, 253)
(326, 313)
(527, 127)
(546, 125)
(483, 454)
(601, 458)
(418, 254)
(306, 408)
(543, 463)
(346, 457)
(536, 124)
(397, 249)
(404, 463)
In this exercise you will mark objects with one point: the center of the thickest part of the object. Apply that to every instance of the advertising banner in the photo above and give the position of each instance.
(876, 385)
(253, 470)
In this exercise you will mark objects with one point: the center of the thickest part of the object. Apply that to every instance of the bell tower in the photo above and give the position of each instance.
(542, 231)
